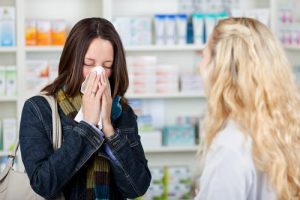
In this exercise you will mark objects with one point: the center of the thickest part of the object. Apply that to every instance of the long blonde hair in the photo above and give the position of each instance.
(251, 82)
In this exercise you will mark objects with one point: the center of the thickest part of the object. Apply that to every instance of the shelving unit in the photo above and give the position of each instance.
(8, 99)
(72, 11)
(8, 49)
(4, 153)
(191, 149)
(178, 95)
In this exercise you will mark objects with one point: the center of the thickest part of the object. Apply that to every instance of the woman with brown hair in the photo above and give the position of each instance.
(250, 146)
(93, 162)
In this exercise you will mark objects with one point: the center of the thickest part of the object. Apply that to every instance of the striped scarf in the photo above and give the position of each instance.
(98, 172)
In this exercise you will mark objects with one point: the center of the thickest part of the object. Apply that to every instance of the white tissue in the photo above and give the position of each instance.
(98, 70)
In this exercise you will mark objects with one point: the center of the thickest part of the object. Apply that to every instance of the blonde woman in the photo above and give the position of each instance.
(251, 141)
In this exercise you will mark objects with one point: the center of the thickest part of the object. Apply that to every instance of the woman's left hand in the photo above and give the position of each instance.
(106, 105)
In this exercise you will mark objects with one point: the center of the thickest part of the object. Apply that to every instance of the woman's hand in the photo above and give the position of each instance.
(106, 105)
(91, 100)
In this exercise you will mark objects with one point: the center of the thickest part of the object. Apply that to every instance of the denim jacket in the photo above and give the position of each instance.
(64, 170)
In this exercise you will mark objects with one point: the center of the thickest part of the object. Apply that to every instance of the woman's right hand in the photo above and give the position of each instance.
(91, 100)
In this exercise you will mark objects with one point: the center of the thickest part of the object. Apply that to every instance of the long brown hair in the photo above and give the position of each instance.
(70, 69)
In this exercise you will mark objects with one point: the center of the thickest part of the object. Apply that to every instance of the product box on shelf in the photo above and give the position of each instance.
(58, 32)
(9, 133)
(151, 139)
(179, 135)
(2, 81)
(11, 80)
(191, 83)
(30, 32)
(178, 180)
(37, 76)
(43, 32)
(7, 26)
(134, 30)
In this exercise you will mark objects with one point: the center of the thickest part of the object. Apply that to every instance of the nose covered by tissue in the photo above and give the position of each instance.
(98, 70)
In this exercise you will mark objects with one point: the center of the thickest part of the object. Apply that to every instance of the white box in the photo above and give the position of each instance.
(7, 26)
(37, 76)
(9, 133)
(11, 80)
(2, 81)
(151, 139)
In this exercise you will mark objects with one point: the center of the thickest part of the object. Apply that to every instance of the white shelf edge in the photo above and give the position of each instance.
(44, 48)
(8, 99)
(165, 48)
(4, 153)
(290, 47)
(8, 49)
(165, 95)
(127, 48)
(167, 149)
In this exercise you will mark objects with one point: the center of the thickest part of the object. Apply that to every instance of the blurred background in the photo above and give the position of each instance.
(162, 39)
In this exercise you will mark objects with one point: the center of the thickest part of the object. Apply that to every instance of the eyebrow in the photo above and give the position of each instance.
(91, 59)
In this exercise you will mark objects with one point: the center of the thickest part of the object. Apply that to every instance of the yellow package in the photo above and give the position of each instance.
(43, 32)
(58, 32)
(30, 32)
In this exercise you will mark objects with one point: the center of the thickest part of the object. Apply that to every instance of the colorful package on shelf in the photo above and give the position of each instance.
(198, 28)
(2, 81)
(37, 76)
(30, 32)
(142, 71)
(136, 105)
(160, 29)
(178, 181)
(145, 123)
(170, 29)
(7, 26)
(9, 133)
(58, 32)
(141, 33)
(134, 30)
(156, 190)
(43, 32)
(179, 135)
(191, 83)
(290, 35)
(11, 80)
(167, 79)
(181, 29)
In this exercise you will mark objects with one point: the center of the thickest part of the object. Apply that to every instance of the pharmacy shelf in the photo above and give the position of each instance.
(8, 49)
(8, 99)
(4, 153)
(171, 149)
(166, 96)
(44, 48)
(289, 47)
(128, 48)
(165, 48)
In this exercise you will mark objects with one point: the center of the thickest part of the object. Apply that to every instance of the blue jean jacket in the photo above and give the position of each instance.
(52, 172)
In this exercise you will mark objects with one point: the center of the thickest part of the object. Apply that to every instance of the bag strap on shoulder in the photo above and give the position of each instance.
(56, 128)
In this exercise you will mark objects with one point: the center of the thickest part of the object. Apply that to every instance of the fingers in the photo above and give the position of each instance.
(91, 79)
